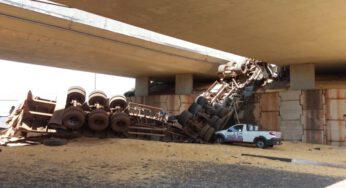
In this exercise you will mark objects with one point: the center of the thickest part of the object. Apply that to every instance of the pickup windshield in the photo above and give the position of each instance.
(237, 128)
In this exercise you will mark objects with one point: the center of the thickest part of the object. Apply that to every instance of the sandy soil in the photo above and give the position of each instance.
(90, 162)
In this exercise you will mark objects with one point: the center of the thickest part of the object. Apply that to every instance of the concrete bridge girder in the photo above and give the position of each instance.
(39, 38)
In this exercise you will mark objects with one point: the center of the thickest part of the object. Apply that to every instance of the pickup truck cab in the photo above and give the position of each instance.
(247, 133)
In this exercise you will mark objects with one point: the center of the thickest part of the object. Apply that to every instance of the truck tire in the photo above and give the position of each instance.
(118, 100)
(184, 117)
(172, 118)
(98, 120)
(216, 106)
(209, 134)
(195, 108)
(218, 125)
(213, 120)
(120, 122)
(203, 131)
(76, 93)
(97, 97)
(222, 111)
(54, 142)
(261, 143)
(73, 117)
(201, 100)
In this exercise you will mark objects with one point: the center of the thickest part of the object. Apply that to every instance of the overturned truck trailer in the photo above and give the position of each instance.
(101, 116)
(217, 107)
(37, 119)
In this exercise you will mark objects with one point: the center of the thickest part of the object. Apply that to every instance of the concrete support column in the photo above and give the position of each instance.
(142, 86)
(183, 84)
(302, 76)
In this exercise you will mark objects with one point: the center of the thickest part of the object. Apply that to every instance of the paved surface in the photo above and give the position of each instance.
(173, 174)
(90, 162)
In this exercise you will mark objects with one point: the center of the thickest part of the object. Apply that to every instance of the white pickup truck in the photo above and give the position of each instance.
(248, 133)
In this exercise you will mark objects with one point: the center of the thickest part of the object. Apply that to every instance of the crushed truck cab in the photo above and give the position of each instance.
(248, 133)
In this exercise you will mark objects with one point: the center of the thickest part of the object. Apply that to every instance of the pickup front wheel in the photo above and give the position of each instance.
(220, 140)
(261, 143)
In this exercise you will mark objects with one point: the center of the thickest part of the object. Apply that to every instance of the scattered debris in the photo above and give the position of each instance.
(29, 121)
(269, 157)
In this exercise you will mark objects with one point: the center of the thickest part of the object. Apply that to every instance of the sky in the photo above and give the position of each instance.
(51, 83)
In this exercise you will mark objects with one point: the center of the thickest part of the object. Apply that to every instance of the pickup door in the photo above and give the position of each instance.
(234, 134)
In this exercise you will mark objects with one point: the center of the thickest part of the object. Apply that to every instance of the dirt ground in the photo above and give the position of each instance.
(92, 162)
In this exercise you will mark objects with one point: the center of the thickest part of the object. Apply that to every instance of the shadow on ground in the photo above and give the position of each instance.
(154, 174)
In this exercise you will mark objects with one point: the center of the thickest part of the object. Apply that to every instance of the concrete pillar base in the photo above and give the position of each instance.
(302, 76)
(142, 86)
(183, 84)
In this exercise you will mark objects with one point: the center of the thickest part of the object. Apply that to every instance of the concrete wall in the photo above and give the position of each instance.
(335, 107)
(290, 115)
(312, 116)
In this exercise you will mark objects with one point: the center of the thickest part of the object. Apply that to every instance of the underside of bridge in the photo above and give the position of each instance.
(282, 32)
(66, 38)
(305, 35)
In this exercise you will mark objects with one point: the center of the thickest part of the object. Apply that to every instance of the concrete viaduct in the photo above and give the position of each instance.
(307, 36)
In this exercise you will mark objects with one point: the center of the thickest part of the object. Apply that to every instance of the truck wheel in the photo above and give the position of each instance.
(184, 117)
(73, 117)
(222, 111)
(98, 120)
(218, 124)
(195, 108)
(54, 142)
(201, 100)
(209, 134)
(203, 131)
(120, 122)
(97, 97)
(118, 100)
(216, 106)
(220, 140)
(76, 93)
(260, 143)
(213, 120)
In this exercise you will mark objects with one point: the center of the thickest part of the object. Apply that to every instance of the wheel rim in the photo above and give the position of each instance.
(260, 143)
(74, 121)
